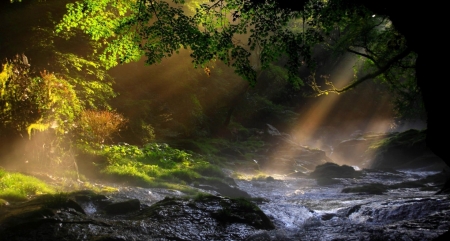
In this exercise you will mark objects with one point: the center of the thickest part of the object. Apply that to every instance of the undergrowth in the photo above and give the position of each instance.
(18, 187)
(154, 165)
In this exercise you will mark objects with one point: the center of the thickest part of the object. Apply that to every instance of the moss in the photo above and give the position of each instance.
(208, 170)
(399, 150)
(18, 187)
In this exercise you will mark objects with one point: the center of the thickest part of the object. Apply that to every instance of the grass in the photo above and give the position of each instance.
(155, 165)
(18, 187)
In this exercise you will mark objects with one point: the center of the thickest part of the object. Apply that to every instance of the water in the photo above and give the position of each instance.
(303, 210)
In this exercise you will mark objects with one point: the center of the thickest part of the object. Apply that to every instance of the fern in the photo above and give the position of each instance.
(37, 126)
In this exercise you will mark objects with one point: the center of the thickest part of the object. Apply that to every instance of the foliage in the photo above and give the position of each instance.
(99, 126)
(18, 187)
(49, 93)
(154, 165)
(408, 138)
(73, 60)
(159, 28)
(39, 103)
(383, 52)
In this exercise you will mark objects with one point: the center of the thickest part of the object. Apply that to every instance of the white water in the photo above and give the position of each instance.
(303, 210)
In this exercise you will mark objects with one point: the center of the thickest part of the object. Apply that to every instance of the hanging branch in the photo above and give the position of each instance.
(352, 85)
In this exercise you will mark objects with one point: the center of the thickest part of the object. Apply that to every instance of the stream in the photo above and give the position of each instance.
(290, 209)
(302, 210)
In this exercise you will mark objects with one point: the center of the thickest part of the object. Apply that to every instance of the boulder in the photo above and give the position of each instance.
(405, 150)
(333, 170)
(124, 207)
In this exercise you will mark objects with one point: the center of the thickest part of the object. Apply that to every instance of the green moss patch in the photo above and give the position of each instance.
(18, 187)
(154, 165)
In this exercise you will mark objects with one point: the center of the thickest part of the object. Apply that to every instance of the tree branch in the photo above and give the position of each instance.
(362, 79)
(364, 55)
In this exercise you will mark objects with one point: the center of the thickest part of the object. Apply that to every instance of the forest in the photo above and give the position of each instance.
(262, 118)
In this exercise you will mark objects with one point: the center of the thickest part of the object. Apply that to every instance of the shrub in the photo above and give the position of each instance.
(100, 126)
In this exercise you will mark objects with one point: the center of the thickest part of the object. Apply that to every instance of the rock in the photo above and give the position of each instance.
(325, 181)
(327, 216)
(353, 151)
(109, 238)
(333, 170)
(372, 188)
(259, 236)
(222, 188)
(128, 206)
(203, 218)
(406, 150)
(290, 158)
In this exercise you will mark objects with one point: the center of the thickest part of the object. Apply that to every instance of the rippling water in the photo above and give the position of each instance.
(303, 210)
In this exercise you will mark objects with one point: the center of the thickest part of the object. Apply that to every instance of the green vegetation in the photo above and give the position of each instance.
(408, 139)
(19, 187)
(61, 99)
(405, 150)
(154, 165)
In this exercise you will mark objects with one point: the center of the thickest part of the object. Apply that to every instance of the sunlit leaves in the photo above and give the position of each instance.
(160, 28)
(98, 18)
(36, 102)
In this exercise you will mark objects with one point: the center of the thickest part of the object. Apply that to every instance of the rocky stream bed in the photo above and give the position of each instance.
(281, 208)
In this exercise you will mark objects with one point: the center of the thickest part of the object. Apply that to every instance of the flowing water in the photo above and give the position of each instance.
(302, 210)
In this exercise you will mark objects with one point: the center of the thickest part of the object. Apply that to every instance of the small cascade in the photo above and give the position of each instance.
(304, 210)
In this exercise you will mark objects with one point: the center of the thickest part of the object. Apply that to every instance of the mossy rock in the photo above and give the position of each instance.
(405, 150)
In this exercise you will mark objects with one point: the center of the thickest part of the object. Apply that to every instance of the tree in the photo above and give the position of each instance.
(49, 59)
(234, 31)
(46, 81)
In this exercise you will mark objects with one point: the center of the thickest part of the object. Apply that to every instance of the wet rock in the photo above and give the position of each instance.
(222, 188)
(260, 236)
(328, 216)
(202, 218)
(372, 188)
(288, 157)
(128, 206)
(109, 238)
(333, 170)
(325, 181)
(353, 151)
